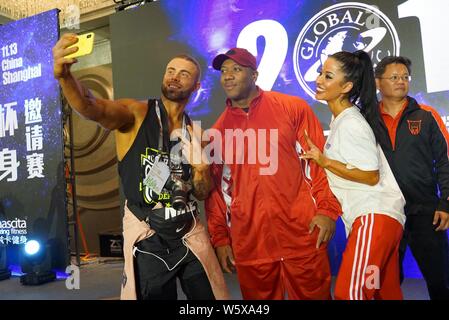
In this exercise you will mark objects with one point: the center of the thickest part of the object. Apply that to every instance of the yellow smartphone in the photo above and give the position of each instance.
(85, 45)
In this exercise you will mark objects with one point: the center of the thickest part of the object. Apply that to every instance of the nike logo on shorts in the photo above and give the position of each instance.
(179, 229)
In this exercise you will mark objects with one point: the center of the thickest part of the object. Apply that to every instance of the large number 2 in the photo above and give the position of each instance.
(432, 15)
(276, 47)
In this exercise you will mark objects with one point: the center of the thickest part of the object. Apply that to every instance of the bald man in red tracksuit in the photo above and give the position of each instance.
(267, 219)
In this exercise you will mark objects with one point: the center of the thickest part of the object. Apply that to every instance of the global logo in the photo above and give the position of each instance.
(348, 26)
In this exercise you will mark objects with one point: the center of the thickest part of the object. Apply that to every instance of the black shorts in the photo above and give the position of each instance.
(154, 281)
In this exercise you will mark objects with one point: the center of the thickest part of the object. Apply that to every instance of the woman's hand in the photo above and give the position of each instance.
(314, 153)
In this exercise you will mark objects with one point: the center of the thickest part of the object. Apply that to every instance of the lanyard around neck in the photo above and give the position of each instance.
(161, 130)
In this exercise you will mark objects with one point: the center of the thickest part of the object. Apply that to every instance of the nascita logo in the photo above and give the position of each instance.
(13, 224)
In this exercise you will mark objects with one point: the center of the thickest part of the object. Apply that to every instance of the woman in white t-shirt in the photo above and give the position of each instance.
(361, 179)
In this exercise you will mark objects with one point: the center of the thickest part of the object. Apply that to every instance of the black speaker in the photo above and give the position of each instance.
(111, 244)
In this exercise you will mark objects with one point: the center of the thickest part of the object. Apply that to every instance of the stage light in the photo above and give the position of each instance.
(32, 247)
(36, 263)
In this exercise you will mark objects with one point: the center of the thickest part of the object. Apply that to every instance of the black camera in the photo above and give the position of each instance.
(179, 191)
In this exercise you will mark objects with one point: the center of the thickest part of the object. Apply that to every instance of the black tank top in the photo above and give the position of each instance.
(138, 160)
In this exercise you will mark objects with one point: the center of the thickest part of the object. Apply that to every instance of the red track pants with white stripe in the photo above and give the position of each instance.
(370, 264)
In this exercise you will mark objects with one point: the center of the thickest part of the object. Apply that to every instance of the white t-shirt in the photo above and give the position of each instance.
(352, 142)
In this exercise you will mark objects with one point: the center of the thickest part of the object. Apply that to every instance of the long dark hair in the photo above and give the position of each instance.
(358, 69)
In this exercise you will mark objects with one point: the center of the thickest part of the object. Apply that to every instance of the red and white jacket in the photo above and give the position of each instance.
(264, 216)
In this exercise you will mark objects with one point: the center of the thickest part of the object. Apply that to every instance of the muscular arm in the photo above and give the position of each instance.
(110, 114)
(193, 150)
(202, 182)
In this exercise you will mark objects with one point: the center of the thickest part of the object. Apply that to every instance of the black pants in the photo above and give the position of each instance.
(155, 282)
(431, 251)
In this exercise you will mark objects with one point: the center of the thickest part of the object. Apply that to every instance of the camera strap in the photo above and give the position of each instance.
(160, 171)
(161, 127)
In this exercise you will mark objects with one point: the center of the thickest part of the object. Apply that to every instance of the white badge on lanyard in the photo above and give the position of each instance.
(159, 172)
(157, 176)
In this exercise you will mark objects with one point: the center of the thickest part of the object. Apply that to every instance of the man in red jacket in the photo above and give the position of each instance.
(263, 213)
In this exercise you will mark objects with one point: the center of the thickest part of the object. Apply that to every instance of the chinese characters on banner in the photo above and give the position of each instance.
(13, 239)
(13, 71)
(32, 182)
(34, 138)
(15, 115)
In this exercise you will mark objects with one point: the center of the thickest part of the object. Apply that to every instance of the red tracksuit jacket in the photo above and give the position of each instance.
(266, 217)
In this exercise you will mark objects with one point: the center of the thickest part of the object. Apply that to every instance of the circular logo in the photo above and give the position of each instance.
(348, 26)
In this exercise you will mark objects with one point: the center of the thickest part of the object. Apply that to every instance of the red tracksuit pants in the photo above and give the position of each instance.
(370, 264)
(300, 278)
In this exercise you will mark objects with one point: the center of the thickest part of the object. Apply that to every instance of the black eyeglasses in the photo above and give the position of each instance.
(395, 78)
